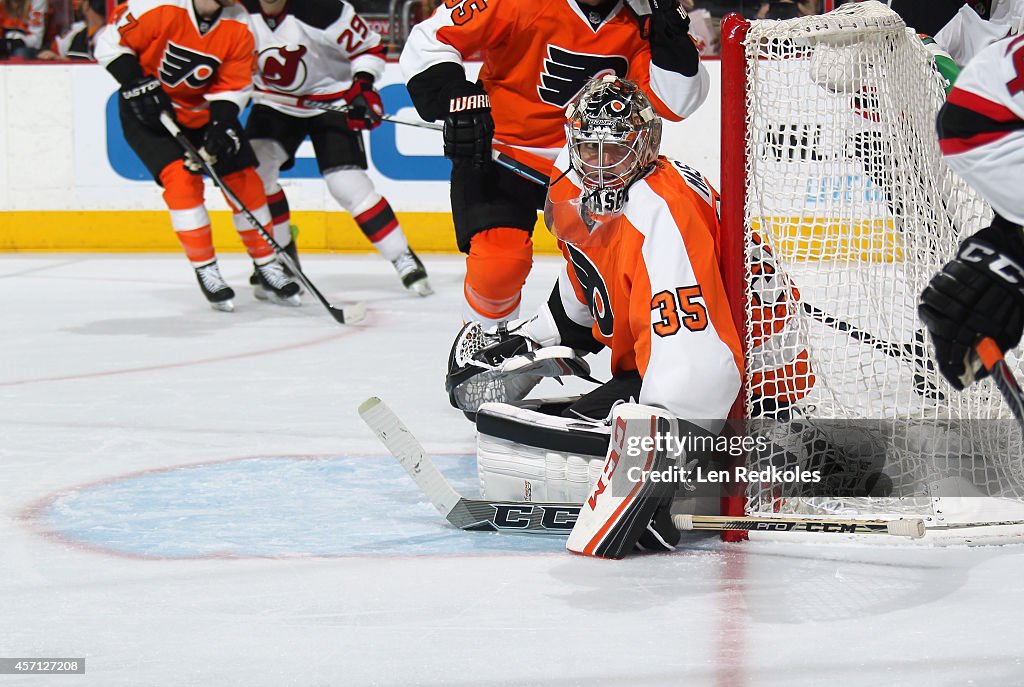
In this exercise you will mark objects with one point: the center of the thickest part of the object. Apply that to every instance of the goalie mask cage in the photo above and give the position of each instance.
(837, 210)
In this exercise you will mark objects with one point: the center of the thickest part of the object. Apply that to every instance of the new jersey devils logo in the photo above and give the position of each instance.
(594, 288)
(565, 73)
(283, 68)
(180, 64)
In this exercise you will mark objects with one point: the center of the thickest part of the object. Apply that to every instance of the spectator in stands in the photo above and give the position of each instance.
(787, 9)
(78, 41)
(926, 16)
(23, 23)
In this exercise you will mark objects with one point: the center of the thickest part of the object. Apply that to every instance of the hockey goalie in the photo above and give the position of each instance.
(639, 234)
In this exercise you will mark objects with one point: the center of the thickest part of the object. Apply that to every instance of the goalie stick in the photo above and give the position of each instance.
(513, 165)
(559, 518)
(348, 315)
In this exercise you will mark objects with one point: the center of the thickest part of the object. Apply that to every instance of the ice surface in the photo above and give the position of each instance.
(188, 497)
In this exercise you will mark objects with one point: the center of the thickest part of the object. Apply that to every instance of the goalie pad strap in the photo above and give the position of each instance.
(535, 429)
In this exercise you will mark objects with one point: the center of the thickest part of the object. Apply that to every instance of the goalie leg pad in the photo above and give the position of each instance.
(622, 504)
(523, 455)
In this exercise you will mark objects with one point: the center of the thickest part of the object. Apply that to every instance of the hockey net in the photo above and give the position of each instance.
(839, 208)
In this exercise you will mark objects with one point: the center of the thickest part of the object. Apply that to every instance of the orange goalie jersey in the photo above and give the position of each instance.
(537, 56)
(650, 287)
(195, 61)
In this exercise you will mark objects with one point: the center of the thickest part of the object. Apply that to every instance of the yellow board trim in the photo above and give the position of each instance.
(150, 231)
(825, 239)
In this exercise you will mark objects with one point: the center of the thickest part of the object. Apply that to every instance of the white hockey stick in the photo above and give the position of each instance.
(513, 165)
(558, 518)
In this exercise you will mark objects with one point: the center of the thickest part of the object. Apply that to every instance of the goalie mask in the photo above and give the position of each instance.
(613, 136)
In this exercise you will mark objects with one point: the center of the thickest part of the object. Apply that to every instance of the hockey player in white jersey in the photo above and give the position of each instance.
(977, 25)
(322, 50)
(981, 292)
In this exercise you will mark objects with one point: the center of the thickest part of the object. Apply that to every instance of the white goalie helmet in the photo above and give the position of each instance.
(613, 136)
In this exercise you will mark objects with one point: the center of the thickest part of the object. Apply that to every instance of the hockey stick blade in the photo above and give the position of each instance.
(993, 360)
(559, 518)
(354, 312)
(466, 514)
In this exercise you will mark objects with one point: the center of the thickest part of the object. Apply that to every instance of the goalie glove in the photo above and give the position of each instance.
(978, 294)
(502, 365)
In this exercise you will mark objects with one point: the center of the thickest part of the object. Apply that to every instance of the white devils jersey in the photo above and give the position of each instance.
(311, 49)
(981, 127)
(967, 34)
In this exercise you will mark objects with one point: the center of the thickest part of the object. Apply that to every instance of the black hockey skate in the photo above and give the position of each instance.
(274, 285)
(293, 251)
(413, 273)
(216, 290)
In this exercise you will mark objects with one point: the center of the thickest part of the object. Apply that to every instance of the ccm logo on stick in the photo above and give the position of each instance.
(840, 528)
(517, 516)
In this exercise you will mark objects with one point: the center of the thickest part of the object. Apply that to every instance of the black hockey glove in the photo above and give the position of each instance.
(147, 99)
(668, 31)
(223, 136)
(365, 106)
(979, 294)
(468, 126)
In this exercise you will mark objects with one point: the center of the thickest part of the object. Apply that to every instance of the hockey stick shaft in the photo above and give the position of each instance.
(331, 106)
(510, 163)
(911, 353)
(354, 313)
(993, 360)
(913, 528)
(559, 518)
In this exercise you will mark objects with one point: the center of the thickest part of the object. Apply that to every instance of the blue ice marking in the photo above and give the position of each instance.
(276, 507)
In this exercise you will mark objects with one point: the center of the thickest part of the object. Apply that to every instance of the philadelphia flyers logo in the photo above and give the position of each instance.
(180, 65)
(565, 73)
(595, 289)
(283, 68)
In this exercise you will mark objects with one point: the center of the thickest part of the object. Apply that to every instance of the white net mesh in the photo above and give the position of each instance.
(849, 202)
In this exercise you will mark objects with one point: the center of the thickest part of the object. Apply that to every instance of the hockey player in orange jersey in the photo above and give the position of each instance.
(536, 58)
(194, 58)
(640, 238)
